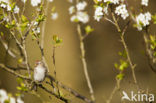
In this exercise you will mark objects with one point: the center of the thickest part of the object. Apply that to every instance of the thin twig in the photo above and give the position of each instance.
(22, 45)
(148, 53)
(52, 93)
(84, 63)
(2, 66)
(55, 75)
(73, 92)
(7, 48)
(116, 88)
(125, 46)
(43, 35)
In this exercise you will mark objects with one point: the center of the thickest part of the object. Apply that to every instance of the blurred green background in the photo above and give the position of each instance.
(102, 47)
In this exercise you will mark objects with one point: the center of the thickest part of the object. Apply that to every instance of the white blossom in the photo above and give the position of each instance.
(81, 17)
(3, 5)
(6, 1)
(144, 2)
(71, 1)
(121, 10)
(143, 20)
(35, 2)
(36, 30)
(50, 0)
(6, 19)
(3, 96)
(35, 23)
(81, 5)
(8, 7)
(19, 100)
(98, 13)
(73, 18)
(16, 10)
(71, 10)
(99, 0)
(105, 9)
(12, 100)
(112, 1)
(54, 16)
(24, 1)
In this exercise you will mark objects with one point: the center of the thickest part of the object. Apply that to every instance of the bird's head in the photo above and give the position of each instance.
(38, 63)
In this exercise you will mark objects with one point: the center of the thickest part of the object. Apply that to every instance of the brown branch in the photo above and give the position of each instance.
(43, 36)
(116, 88)
(3, 67)
(122, 33)
(52, 93)
(55, 75)
(84, 63)
(7, 48)
(148, 53)
(73, 92)
(21, 45)
(125, 46)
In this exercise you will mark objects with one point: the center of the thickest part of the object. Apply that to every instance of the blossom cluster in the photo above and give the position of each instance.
(121, 10)
(101, 10)
(79, 15)
(6, 5)
(143, 20)
(6, 98)
(98, 13)
(112, 1)
(37, 2)
(144, 2)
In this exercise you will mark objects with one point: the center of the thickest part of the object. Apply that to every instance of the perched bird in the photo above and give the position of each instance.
(40, 71)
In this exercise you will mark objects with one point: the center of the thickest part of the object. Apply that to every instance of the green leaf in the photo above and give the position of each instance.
(120, 76)
(19, 88)
(10, 26)
(53, 9)
(116, 65)
(12, 6)
(19, 80)
(24, 19)
(2, 34)
(40, 18)
(61, 94)
(88, 29)
(57, 40)
(123, 65)
(154, 54)
(154, 18)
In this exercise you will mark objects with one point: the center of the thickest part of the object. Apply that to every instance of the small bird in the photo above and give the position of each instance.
(40, 71)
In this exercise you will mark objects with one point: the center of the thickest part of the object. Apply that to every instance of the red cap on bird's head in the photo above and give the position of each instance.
(38, 62)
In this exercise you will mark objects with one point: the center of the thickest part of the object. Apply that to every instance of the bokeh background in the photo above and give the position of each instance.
(102, 47)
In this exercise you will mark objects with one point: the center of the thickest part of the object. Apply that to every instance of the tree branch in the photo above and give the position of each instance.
(73, 92)
(84, 63)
